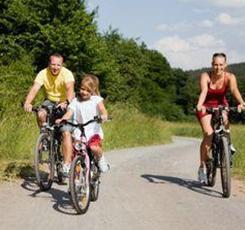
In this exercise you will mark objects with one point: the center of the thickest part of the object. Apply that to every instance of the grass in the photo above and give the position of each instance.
(128, 128)
(237, 136)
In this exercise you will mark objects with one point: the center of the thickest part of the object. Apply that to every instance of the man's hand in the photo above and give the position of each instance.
(63, 105)
(28, 107)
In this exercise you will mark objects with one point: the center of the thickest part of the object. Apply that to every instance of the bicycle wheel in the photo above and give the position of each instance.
(44, 162)
(59, 169)
(79, 185)
(95, 182)
(211, 170)
(225, 167)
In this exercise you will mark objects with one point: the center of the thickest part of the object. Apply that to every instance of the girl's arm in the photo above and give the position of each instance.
(102, 111)
(204, 89)
(66, 116)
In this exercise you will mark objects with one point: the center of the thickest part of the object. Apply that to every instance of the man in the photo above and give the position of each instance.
(58, 82)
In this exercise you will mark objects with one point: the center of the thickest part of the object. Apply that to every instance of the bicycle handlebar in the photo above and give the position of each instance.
(81, 125)
(221, 108)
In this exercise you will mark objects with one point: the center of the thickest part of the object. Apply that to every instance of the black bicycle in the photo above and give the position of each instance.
(47, 154)
(220, 153)
(84, 177)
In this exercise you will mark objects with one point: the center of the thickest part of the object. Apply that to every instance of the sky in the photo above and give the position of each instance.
(186, 32)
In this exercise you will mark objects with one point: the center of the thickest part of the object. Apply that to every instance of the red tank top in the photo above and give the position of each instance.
(216, 97)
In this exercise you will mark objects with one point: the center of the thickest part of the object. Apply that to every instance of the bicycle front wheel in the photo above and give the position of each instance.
(44, 162)
(225, 167)
(80, 185)
(95, 182)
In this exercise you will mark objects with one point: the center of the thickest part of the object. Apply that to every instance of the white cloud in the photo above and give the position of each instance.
(206, 23)
(226, 19)
(220, 3)
(190, 53)
(229, 3)
(183, 26)
(206, 41)
(172, 44)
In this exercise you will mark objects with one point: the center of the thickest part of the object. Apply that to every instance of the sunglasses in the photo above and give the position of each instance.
(219, 55)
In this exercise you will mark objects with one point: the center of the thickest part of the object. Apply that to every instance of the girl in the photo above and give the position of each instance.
(83, 108)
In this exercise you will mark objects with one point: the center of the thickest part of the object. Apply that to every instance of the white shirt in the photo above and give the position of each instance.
(84, 111)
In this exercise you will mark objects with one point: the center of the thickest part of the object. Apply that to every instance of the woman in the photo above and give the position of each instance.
(213, 86)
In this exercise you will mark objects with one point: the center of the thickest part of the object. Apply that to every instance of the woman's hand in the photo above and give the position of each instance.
(201, 108)
(240, 107)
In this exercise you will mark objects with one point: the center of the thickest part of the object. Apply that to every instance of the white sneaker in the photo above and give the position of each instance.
(66, 169)
(103, 165)
(233, 150)
(202, 177)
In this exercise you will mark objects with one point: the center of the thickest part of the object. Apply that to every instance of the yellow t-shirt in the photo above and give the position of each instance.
(55, 86)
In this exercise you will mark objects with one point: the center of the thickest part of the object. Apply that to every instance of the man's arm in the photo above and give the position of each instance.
(70, 91)
(31, 95)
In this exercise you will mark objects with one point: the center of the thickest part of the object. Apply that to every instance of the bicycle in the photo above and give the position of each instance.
(47, 154)
(220, 154)
(84, 179)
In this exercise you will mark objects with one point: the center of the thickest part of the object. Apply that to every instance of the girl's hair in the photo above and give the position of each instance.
(91, 83)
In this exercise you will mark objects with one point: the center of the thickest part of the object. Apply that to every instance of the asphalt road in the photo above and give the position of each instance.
(147, 188)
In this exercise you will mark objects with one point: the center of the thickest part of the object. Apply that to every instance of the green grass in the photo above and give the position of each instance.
(237, 137)
(128, 128)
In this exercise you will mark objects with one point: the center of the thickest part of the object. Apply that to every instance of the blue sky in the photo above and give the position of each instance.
(186, 32)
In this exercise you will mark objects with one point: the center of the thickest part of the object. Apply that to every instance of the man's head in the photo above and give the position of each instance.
(55, 63)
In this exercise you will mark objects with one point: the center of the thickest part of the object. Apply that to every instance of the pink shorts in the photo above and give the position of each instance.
(95, 140)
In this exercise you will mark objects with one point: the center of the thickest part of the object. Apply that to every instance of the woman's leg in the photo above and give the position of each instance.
(207, 138)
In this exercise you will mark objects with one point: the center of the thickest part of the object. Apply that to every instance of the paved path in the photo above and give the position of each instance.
(147, 188)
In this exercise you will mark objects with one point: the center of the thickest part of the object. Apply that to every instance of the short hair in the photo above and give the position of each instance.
(56, 55)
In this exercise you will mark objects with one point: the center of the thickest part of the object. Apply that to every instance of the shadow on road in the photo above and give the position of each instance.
(60, 198)
(186, 183)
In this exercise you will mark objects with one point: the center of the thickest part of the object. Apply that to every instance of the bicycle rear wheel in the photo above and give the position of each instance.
(44, 162)
(225, 167)
(211, 171)
(79, 185)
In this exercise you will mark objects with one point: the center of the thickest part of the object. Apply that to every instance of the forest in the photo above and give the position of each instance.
(129, 72)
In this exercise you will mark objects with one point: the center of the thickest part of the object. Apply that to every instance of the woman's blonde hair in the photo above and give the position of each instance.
(91, 83)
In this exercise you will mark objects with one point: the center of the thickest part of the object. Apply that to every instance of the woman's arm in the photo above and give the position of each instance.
(204, 89)
(234, 89)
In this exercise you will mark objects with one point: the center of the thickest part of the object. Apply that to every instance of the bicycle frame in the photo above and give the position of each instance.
(219, 131)
(220, 150)
(51, 133)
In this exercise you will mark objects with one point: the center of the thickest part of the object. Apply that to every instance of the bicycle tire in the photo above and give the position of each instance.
(225, 169)
(95, 187)
(44, 162)
(95, 182)
(211, 171)
(79, 182)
